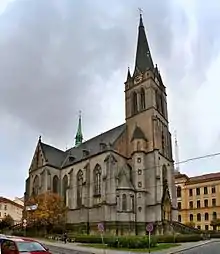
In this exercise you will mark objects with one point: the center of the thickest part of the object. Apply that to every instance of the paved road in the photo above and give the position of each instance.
(210, 248)
(61, 250)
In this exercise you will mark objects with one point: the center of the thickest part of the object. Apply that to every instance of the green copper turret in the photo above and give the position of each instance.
(79, 135)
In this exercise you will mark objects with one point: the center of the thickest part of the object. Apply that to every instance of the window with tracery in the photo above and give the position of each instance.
(142, 98)
(65, 187)
(97, 180)
(36, 185)
(55, 184)
(134, 103)
(178, 192)
(124, 202)
(79, 188)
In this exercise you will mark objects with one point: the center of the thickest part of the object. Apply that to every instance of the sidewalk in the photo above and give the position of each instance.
(75, 246)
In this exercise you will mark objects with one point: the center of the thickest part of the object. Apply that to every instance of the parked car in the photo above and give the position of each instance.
(13, 245)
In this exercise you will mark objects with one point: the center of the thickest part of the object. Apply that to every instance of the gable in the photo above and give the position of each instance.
(38, 159)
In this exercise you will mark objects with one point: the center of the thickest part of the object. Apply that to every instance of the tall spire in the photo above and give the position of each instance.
(177, 168)
(143, 56)
(79, 135)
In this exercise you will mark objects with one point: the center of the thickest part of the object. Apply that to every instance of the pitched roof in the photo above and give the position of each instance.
(8, 201)
(54, 156)
(93, 145)
(58, 158)
(204, 178)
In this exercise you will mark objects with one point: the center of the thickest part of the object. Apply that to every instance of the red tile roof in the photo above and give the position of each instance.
(6, 201)
(204, 178)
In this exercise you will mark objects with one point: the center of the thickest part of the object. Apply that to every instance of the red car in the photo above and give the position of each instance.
(14, 245)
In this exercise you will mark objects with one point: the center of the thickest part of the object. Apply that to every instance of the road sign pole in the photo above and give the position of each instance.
(149, 228)
(149, 242)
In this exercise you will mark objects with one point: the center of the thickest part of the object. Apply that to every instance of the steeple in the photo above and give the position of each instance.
(79, 135)
(143, 56)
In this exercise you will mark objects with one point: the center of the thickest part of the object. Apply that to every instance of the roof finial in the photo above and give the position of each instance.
(40, 138)
(141, 21)
(79, 135)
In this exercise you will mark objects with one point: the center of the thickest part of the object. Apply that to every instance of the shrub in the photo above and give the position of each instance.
(179, 238)
(132, 242)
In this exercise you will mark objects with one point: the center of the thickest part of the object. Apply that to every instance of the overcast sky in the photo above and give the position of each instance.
(61, 56)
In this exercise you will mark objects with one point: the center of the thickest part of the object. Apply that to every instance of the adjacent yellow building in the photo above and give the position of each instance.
(198, 199)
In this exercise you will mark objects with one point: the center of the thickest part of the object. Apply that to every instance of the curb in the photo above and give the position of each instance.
(192, 247)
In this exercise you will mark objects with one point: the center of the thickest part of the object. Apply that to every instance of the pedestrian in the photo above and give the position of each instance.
(65, 237)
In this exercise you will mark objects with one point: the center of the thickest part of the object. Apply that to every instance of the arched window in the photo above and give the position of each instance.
(55, 184)
(214, 216)
(124, 202)
(79, 188)
(36, 185)
(178, 192)
(179, 218)
(206, 216)
(164, 175)
(64, 187)
(134, 103)
(132, 203)
(191, 217)
(97, 179)
(142, 99)
(198, 216)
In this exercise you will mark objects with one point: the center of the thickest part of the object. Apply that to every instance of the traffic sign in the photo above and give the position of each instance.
(150, 227)
(100, 227)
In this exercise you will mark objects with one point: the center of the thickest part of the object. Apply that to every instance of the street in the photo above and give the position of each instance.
(211, 248)
(61, 250)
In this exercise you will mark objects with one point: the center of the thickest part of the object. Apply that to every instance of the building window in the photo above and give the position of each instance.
(213, 202)
(179, 218)
(206, 227)
(191, 204)
(179, 205)
(213, 189)
(142, 99)
(139, 209)
(132, 203)
(198, 217)
(118, 202)
(191, 217)
(55, 184)
(206, 216)
(65, 187)
(198, 204)
(215, 227)
(5, 214)
(205, 190)
(79, 188)
(199, 227)
(124, 202)
(198, 191)
(214, 216)
(206, 203)
(134, 103)
(97, 180)
(190, 192)
(139, 184)
(179, 192)
(139, 171)
(5, 207)
(138, 160)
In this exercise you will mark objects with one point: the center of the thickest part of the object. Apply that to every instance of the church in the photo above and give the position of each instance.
(124, 177)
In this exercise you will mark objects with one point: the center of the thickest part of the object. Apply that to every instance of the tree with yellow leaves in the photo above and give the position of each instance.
(49, 210)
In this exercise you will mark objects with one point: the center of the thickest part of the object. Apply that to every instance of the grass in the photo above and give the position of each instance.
(161, 246)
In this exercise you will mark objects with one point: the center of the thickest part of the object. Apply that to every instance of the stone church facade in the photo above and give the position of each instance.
(124, 177)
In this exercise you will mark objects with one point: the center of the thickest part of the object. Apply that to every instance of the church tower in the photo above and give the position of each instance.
(148, 137)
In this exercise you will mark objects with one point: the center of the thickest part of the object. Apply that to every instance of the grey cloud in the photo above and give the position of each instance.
(53, 52)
